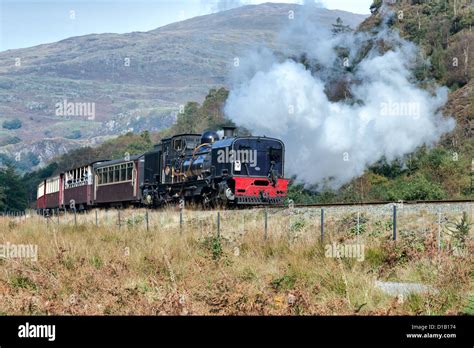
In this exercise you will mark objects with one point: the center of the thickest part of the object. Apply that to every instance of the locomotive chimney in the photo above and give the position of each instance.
(228, 131)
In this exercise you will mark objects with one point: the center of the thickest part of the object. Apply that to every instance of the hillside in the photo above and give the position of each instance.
(131, 82)
(443, 31)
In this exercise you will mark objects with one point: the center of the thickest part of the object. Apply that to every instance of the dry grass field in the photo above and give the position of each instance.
(123, 269)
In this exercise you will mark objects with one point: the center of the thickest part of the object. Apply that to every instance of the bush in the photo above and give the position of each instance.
(12, 124)
(413, 188)
(9, 141)
(459, 230)
(76, 134)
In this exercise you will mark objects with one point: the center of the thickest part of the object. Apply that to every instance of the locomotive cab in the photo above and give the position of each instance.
(253, 168)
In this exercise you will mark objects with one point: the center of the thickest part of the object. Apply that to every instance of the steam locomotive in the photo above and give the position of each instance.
(201, 168)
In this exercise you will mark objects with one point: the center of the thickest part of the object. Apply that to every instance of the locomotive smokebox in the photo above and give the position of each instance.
(228, 131)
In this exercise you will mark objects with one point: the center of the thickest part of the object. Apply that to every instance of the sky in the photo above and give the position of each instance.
(25, 23)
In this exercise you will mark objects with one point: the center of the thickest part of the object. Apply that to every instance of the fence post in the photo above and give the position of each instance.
(218, 224)
(439, 232)
(394, 222)
(358, 227)
(75, 217)
(57, 215)
(119, 222)
(96, 218)
(180, 219)
(322, 225)
(266, 223)
(146, 219)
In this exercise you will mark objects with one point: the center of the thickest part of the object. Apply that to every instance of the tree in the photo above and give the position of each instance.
(186, 121)
(339, 27)
(13, 189)
(75, 134)
(12, 124)
(32, 180)
(3, 199)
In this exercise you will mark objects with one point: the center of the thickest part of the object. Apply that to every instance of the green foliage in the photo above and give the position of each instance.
(75, 134)
(466, 21)
(3, 199)
(141, 145)
(10, 140)
(196, 118)
(469, 309)
(413, 188)
(130, 143)
(297, 225)
(349, 223)
(286, 282)
(414, 239)
(438, 65)
(13, 190)
(12, 124)
(390, 170)
(22, 282)
(214, 246)
(135, 220)
(374, 257)
(381, 228)
(414, 302)
(31, 180)
(96, 261)
(459, 230)
(186, 121)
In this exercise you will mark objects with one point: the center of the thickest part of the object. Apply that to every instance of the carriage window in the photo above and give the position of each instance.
(123, 172)
(116, 173)
(110, 175)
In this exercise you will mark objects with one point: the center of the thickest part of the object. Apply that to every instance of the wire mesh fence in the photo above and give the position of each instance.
(327, 224)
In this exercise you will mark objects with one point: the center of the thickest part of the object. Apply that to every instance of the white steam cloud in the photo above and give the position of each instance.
(329, 140)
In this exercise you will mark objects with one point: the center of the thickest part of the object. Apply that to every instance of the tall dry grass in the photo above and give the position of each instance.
(123, 268)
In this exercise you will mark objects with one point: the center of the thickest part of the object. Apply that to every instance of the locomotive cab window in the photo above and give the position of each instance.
(179, 144)
(259, 157)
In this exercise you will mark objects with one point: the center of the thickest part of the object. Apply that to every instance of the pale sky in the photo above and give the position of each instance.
(25, 23)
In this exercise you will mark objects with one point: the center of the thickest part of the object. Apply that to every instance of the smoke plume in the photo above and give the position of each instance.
(349, 100)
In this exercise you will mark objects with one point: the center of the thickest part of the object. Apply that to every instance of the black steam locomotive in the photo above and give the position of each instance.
(197, 168)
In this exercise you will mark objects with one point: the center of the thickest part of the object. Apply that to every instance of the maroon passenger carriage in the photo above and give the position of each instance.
(116, 183)
(78, 188)
(105, 183)
(50, 193)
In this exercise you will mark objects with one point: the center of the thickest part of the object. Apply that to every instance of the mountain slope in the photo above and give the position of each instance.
(133, 81)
